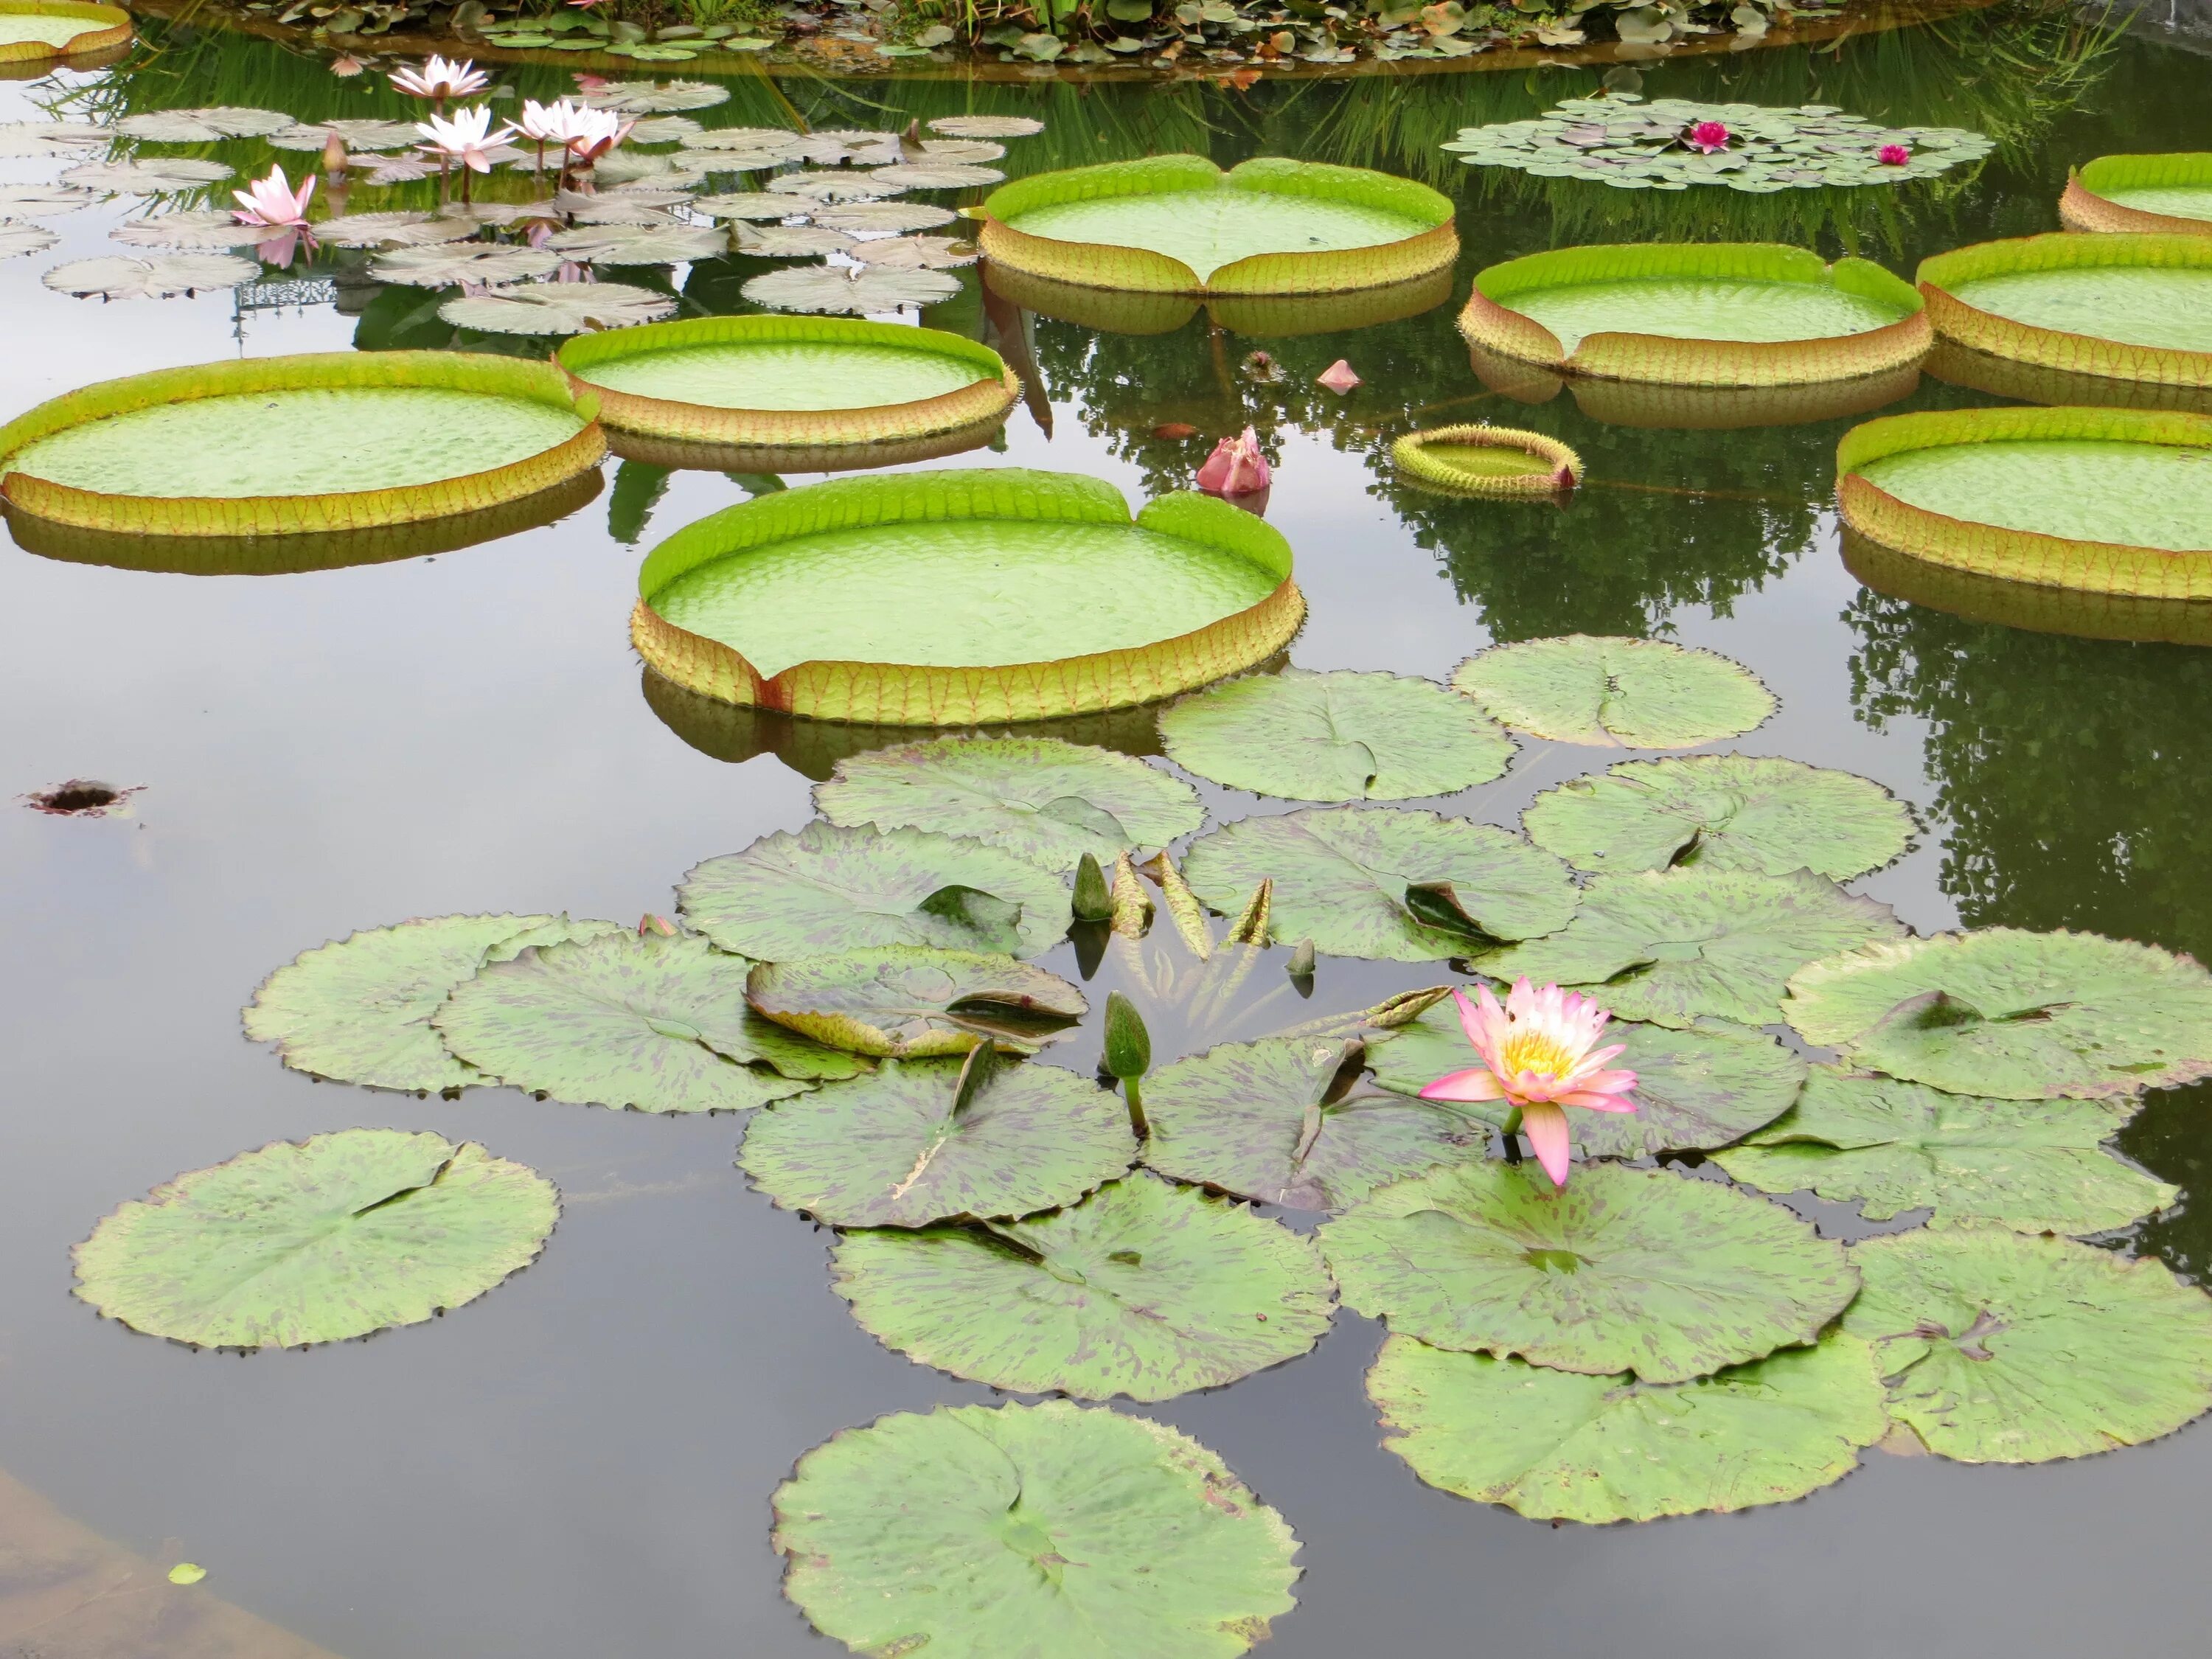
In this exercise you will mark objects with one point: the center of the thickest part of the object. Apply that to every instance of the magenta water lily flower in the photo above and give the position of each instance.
(1893, 156)
(1707, 137)
(1237, 467)
(1538, 1056)
(441, 79)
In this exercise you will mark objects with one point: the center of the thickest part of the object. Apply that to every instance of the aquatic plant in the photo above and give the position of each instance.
(1614, 693)
(440, 80)
(1487, 460)
(466, 140)
(272, 203)
(1237, 467)
(2165, 193)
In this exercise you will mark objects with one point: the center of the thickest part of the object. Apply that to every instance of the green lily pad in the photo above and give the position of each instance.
(2018, 1015)
(1621, 1269)
(117, 277)
(1144, 1289)
(203, 126)
(2034, 1166)
(909, 1146)
(444, 265)
(1695, 1088)
(1335, 737)
(1721, 812)
(1343, 874)
(1675, 946)
(1050, 801)
(1258, 1119)
(316, 1241)
(358, 1010)
(1609, 693)
(654, 1024)
(1554, 1446)
(556, 309)
(656, 97)
(159, 175)
(908, 1002)
(2000, 1347)
(829, 889)
(985, 1532)
(664, 244)
(859, 291)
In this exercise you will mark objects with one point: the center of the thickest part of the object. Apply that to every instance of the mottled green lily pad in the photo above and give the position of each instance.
(2019, 1015)
(1343, 876)
(1721, 812)
(316, 1241)
(1050, 801)
(1675, 946)
(1144, 1289)
(904, 1148)
(2003, 1348)
(988, 1532)
(1611, 692)
(2034, 1166)
(1621, 1269)
(908, 1001)
(1554, 1446)
(829, 889)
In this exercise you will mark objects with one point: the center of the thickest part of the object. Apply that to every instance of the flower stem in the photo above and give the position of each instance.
(1512, 1131)
(1130, 1092)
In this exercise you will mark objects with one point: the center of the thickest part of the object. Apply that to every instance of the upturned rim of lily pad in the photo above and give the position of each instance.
(2066, 563)
(971, 413)
(105, 28)
(1955, 320)
(1491, 321)
(911, 695)
(1096, 264)
(291, 515)
(1561, 469)
(2084, 206)
(1255, 316)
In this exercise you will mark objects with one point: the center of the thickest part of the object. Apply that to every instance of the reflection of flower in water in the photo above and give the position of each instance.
(1707, 137)
(1537, 1057)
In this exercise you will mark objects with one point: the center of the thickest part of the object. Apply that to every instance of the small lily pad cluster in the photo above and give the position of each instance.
(1672, 143)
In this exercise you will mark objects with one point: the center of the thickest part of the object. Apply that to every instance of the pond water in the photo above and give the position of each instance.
(580, 1464)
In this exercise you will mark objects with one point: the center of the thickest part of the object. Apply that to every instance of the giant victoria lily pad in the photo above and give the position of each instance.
(1335, 737)
(1611, 693)
(1621, 1269)
(1145, 1289)
(925, 1139)
(316, 1241)
(936, 598)
(2034, 1166)
(1487, 460)
(1177, 224)
(1676, 946)
(31, 30)
(1555, 1446)
(2167, 193)
(983, 1533)
(214, 450)
(1383, 883)
(2003, 1348)
(908, 1001)
(2013, 1014)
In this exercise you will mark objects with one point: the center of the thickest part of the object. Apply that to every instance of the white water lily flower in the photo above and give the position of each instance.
(556, 123)
(466, 137)
(273, 202)
(438, 80)
(597, 132)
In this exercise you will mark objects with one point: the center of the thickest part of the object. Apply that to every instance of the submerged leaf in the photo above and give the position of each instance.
(1614, 693)
(908, 1001)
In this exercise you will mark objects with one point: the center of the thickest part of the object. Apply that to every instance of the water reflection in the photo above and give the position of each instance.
(1974, 596)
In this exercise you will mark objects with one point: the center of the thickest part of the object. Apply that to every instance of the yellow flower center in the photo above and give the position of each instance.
(1536, 1051)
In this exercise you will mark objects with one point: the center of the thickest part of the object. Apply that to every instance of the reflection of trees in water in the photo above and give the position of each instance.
(2168, 1138)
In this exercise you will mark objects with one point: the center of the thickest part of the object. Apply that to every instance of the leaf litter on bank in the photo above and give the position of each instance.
(1606, 692)
(908, 1002)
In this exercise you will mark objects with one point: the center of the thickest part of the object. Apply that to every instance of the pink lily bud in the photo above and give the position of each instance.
(1237, 467)
(1338, 377)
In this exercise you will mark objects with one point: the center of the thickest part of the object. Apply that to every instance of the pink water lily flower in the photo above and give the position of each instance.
(1707, 137)
(1338, 377)
(1538, 1056)
(550, 124)
(1237, 467)
(438, 80)
(1893, 156)
(273, 202)
(595, 132)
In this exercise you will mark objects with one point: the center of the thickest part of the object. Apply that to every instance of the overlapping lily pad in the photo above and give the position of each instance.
(1621, 1269)
(858, 291)
(316, 1241)
(557, 308)
(2018, 1015)
(2003, 1348)
(1145, 1289)
(1610, 693)
(1555, 1446)
(188, 230)
(980, 1533)
(909, 1001)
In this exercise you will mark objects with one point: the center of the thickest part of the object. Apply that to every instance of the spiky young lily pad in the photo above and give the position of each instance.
(1721, 812)
(2019, 1015)
(1050, 801)
(358, 1010)
(2003, 1348)
(911, 1145)
(1144, 1289)
(908, 1001)
(985, 1532)
(1614, 693)
(203, 126)
(1695, 1088)
(444, 265)
(2034, 1166)
(557, 308)
(191, 231)
(148, 176)
(1621, 1269)
(858, 293)
(665, 244)
(1264, 1120)
(1383, 883)
(829, 889)
(117, 277)
(316, 1241)
(1555, 1446)
(1676, 946)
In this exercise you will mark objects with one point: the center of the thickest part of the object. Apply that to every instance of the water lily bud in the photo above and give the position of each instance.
(1128, 1044)
(1302, 960)
(649, 923)
(334, 155)
(1093, 903)
(1338, 377)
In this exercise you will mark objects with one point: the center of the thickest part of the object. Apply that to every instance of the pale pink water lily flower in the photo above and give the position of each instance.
(1237, 467)
(1538, 1056)
(1893, 156)
(273, 202)
(1707, 137)
(596, 132)
(556, 123)
(465, 137)
(441, 79)
(1338, 377)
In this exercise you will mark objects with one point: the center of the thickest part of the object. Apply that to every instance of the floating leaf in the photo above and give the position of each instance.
(444, 264)
(662, 129)
(186, 1572)
(901, 1149)
(117, 277)
(189, 230)
(916, 254)
(832, 186)
(826, 289)
(909, 1001)
(365, 136)
(656, 97)
(1554, 1446)
(154, 176)
(932, 175)
(985, 126)
(2003, 1348)
(557, 308)
(2015, 1014)
(957, 150)
(1082, 1534)
(316, 1241)
(1143, 1289)
(752, 204)
(24, 139)
(1614, 693)
(22, 201)
(17, 239)
(665, 244)
(1342, 875)
(1675, 946)
(203, 126)
(396, 229)
(790, 241)
(1621, 1269)
(893, 216)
